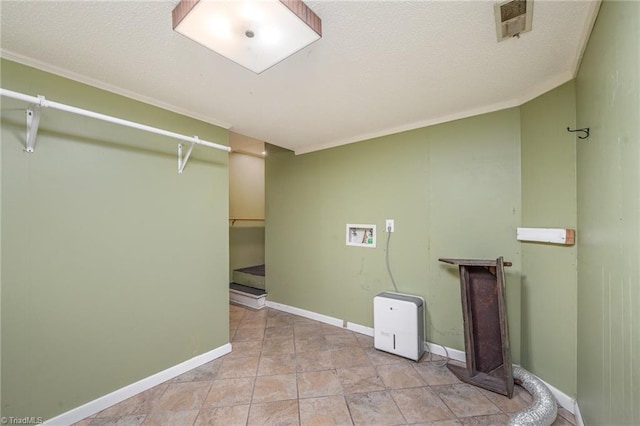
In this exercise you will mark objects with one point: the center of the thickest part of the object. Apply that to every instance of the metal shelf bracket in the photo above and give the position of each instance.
(182, 162)
(33, 122)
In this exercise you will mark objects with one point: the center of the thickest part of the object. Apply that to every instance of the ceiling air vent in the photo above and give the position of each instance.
(513, 18)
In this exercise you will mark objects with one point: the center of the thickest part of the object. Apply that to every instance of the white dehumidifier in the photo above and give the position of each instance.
(398, 323)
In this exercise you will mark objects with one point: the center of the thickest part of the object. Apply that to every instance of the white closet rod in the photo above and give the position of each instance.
(44, 103)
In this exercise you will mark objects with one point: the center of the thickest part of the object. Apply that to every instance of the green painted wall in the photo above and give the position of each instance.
(1, 409)
(549, 275)
(453, 191)
(246, 245)
(608, 101)
(246, 200)
(114, 266)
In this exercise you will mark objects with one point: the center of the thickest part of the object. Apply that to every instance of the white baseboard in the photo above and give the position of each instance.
(441, 350)
(578, 415)
(367, 331)
(564, 400)
(306, 314)
(106, 401)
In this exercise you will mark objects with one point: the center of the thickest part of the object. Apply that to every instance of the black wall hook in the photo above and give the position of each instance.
(585, 130)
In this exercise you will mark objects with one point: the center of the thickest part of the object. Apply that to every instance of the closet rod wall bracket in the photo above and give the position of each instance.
(33, 122)
(182, 162)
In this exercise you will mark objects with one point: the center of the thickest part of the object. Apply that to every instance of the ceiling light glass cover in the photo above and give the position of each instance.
(256, 34)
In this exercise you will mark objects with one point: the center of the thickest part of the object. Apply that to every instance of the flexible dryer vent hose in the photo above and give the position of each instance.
(544, 409)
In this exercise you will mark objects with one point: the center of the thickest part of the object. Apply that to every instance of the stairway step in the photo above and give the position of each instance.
(247, 296)
(252, 276)
(246, 289)
(253, 270)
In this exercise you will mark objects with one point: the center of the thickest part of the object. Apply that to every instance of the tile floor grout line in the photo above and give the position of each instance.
(253, 392)
(204, 399)
(397, 406)
(346, 401)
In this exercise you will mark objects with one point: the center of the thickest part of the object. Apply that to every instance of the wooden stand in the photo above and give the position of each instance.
(486, 335)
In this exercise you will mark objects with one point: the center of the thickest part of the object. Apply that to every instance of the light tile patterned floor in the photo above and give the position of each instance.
(289, 370)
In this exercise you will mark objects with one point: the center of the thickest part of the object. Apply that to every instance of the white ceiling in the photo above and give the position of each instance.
(381, 66)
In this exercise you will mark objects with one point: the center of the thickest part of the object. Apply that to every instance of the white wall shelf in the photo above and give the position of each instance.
(564, 236)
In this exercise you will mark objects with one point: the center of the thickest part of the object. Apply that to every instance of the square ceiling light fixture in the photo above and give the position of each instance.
(256, 34)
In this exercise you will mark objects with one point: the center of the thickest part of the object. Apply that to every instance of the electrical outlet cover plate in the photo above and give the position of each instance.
(390, 223)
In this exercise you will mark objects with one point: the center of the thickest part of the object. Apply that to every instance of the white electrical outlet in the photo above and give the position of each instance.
(389, 226)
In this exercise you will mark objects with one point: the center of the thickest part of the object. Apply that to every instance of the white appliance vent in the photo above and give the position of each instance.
(398, 324)
(513, 18)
